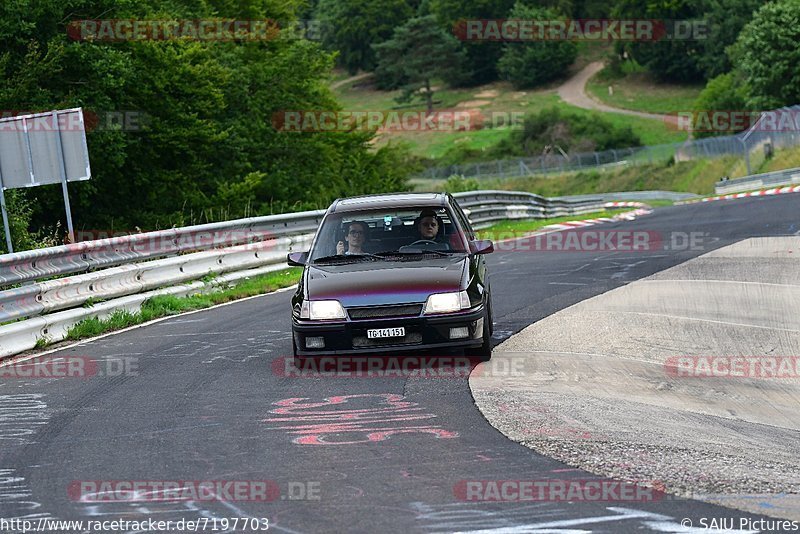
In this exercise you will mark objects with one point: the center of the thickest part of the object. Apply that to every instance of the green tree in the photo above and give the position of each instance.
(351, 27)
(726, 92)
(418, 52)
(673, 60)
(209, 144)
(480, 65)
(725, 19)
(533, 63)
(767, 54)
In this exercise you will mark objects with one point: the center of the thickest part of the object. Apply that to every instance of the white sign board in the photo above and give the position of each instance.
(43, 148)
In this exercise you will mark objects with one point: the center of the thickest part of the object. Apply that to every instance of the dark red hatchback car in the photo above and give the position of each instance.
(393, 272)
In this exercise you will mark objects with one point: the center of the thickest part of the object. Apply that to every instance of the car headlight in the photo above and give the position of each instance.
(320, 310)
(447, 302)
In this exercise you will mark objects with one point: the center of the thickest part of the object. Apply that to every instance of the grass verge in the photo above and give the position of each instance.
(638, 92)
(164, 305)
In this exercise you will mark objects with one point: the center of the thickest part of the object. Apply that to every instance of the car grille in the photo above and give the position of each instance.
(404, 310)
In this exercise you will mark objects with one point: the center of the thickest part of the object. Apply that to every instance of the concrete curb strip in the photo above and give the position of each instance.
(763, 192)
(604, 384)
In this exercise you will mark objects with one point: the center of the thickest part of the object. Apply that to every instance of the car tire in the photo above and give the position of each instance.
(298, 360)
(484, 352)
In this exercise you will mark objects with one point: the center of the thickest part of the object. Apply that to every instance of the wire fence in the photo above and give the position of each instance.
(764, 136)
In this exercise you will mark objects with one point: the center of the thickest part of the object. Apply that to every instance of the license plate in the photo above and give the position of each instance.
(386, 332)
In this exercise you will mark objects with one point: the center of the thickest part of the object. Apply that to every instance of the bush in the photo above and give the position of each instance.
(575, 132)
(457, 184)
(19, 219)
(726, 92)
(570, 131)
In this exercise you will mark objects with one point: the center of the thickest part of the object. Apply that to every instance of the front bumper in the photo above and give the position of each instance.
(422, 333)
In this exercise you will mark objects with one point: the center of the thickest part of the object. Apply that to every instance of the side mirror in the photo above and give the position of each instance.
(297, 259)
(481, 246)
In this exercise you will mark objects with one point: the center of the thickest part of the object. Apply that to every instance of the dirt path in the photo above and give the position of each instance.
(573, 91)
(355, 78)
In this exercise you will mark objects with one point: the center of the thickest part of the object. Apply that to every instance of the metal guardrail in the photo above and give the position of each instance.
(90, 255)
(757, 181)
(65, 284)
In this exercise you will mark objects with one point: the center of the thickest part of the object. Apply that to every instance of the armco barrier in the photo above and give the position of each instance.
(23, 335)
(92, 255)
(73, 291)
(758, 181)
(123, 272)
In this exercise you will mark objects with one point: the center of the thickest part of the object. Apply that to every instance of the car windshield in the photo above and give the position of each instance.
(387, 235)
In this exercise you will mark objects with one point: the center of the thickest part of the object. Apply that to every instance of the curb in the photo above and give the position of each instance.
(627, 216)
(763, 192)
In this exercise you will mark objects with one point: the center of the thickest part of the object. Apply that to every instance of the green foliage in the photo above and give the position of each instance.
(533, 63)
(726, 92)
(480, 65)
(351, 27)
(547, 131)
(418, 52)
(725, 18)
(458, 184)
(668, 59)
(209, 143)
(572, 132)
(767, 53)
(19, 222)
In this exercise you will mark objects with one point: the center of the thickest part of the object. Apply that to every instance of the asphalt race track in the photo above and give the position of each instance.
(203, 399)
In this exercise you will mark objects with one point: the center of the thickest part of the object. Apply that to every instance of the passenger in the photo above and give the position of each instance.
(356, 237)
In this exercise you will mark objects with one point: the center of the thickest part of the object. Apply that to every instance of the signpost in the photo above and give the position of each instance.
(41, 149)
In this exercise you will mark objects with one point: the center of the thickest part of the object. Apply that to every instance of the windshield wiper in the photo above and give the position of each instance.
(416, 252)
(346, 258)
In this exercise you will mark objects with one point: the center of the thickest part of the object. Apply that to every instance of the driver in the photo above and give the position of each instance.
(428, 225)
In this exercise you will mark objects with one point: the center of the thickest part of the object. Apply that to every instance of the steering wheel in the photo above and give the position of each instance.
(423, 242)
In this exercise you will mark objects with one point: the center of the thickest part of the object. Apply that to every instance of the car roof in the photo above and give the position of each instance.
(389, 200)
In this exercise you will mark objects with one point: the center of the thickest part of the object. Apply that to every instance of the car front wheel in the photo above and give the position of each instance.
(484, 352)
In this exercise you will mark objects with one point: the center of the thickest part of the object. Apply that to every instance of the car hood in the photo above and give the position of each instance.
(377, 283)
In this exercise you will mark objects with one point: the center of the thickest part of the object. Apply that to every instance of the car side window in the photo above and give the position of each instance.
(464, 222)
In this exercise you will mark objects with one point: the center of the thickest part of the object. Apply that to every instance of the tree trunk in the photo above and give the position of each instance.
(428, 95)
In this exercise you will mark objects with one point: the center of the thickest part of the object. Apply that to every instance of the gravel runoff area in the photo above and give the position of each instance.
(597, 385)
